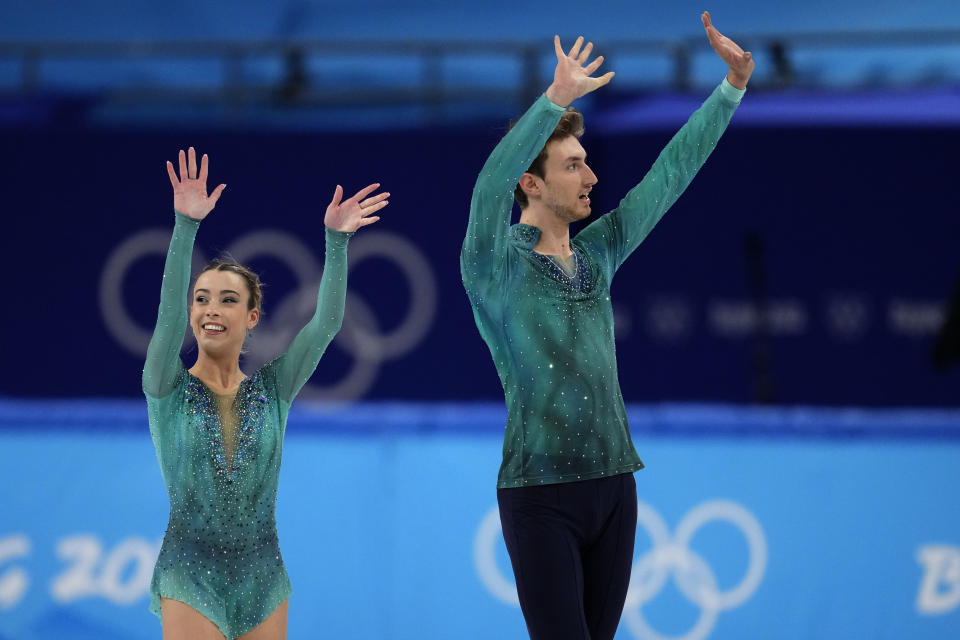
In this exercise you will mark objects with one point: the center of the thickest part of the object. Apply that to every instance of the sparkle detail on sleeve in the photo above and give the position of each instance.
(220, 456)
(550, 332)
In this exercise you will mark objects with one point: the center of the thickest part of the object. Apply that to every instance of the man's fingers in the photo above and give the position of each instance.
(575, 50)
(192, 162)
(173, 175)
(183, 165)
(712, 32)
(203, 169)
(363, 193)
(216, 194)
(605, 79)
(593, 66)
(714, 36)
(337, 194)
(585, 54)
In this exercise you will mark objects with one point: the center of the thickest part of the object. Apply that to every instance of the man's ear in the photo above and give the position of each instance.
(531, 184)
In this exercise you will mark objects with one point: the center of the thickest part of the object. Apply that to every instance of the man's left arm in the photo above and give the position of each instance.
(618, 233)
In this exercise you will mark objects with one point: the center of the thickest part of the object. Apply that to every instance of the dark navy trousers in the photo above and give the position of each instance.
(571, 547)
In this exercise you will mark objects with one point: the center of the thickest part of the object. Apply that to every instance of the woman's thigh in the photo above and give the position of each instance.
(273, 628)
(183, 622)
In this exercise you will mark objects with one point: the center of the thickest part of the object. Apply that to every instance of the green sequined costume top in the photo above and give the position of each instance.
(220, 554)
(550, 333)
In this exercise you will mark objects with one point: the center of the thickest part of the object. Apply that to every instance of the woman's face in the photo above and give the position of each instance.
(219, 315)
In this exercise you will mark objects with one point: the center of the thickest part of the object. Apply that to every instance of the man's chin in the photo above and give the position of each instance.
(574, 214)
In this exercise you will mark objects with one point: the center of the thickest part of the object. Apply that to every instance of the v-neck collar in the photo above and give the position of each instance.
(248, 406)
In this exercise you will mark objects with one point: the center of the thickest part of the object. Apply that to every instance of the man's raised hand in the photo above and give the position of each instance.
(190, 191)
(739, 61)
(353, 213)
(572, 77)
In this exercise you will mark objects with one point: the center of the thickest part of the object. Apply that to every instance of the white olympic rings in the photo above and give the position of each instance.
(669, 556)
(360, 335)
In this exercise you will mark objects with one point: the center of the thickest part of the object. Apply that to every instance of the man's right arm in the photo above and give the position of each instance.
(484, 249)
(483, 257)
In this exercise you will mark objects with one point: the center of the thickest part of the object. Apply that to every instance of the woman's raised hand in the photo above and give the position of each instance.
(190, 191)
(353, 213)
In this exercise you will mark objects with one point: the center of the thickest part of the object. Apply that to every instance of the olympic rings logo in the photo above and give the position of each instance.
(360, 336)
(670, 556)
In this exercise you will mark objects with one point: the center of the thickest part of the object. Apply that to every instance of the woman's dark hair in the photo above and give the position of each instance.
(254, 286)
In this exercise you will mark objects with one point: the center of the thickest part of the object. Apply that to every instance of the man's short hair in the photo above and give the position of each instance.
(571, 124)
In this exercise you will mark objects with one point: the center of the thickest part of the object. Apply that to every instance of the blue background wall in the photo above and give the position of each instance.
(856, 228)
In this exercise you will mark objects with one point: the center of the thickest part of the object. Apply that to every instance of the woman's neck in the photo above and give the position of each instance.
(222, 375)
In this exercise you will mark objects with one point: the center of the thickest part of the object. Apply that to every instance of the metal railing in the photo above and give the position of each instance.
(295, 83)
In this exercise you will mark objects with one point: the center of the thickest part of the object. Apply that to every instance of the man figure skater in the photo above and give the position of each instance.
(541, 301)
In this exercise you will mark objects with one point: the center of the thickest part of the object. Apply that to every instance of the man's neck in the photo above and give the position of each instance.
(554, 233)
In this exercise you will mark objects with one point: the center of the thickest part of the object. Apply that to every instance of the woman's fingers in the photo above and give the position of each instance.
(337, 195)
(183, 165)
(366, 211)
(172, 174)
(363, 193)
(374, 199)
(192, 162)
(216, 195)
(203, 169)
(365, 221)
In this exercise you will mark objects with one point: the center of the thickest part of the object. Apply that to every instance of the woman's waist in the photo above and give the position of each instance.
(220, 538)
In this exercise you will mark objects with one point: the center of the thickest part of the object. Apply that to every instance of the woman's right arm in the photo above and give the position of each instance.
(191, 205)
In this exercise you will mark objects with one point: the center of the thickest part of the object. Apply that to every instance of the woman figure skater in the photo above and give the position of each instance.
(218, 432)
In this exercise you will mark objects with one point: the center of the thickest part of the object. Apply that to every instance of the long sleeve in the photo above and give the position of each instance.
(614, 236)
(295, 367)
(484, 249)
(163, 364)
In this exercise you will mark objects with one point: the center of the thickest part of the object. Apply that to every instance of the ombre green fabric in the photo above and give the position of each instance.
(220, 554)
(551, 337)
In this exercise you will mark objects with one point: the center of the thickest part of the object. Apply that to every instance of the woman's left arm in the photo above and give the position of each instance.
(342, 219)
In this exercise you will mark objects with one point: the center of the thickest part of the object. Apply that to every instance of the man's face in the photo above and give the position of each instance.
(567, 180)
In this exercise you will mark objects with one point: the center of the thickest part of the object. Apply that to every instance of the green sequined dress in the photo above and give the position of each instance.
(551, 333)
(220, 554)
